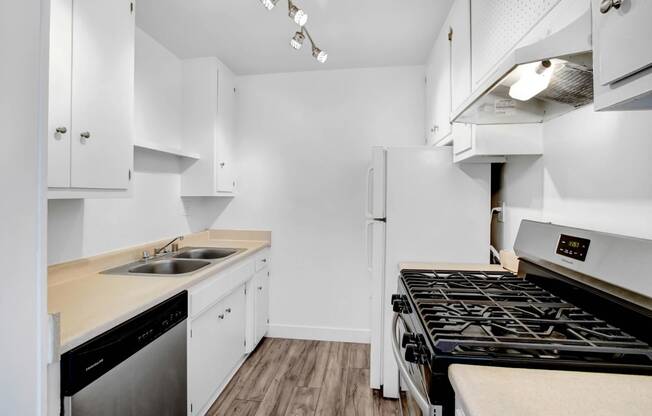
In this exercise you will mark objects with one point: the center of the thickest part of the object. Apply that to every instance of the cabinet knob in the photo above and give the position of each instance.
(260, 288)
(607, 5)
(85, 135)
(227, 310)
(220, 316)
(61, 130)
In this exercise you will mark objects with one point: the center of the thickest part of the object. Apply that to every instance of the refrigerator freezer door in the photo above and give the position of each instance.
(376, 268)
(436, 211)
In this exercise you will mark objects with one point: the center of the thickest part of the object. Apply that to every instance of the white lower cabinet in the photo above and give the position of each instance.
(228, 316)
(216, 347)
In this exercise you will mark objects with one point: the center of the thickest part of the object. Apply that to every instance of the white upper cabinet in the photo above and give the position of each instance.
(622, 54)
(91, 97)
(460, 26)
(438, 89)
(208, 119)
(60, 78)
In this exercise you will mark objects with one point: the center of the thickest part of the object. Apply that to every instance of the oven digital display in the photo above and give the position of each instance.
(574, 247)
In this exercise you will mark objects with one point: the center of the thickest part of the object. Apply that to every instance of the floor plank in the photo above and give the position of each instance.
(304, 378)
(277, 398)
(359, 356)
(242, 408)
(262, 375)
(359, 397)
(314, 367)
(235, 386)
(303, 402)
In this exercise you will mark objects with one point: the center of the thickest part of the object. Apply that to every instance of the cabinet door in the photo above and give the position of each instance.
(102, 93)
(216, 346)
(261, 322)
(439, 86)
(460, 24)
(622, 39)
(60, 89)
(206, 346)
(225, 131)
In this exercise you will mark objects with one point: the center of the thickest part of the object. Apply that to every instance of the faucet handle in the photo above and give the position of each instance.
(145, 254)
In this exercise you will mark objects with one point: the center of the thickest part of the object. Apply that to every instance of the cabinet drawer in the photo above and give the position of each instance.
(262, 260)
(215, 288)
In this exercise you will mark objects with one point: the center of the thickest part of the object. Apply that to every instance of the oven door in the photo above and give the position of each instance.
(413, 377)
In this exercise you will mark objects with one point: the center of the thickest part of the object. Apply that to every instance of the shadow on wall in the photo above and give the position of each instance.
(202, 212)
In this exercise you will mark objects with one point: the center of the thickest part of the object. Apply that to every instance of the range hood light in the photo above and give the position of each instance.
(535, 77)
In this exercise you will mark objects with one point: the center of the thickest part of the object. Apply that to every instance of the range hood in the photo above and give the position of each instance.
(556, 72)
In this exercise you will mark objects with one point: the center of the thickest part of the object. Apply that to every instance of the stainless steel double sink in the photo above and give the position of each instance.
(182, 263)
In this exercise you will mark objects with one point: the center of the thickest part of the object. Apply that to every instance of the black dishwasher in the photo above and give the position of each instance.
(135, 368)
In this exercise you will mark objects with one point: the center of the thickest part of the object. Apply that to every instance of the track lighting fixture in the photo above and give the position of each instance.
(300, 18)
(269, 4)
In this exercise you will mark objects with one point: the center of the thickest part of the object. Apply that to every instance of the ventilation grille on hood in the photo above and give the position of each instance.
(571, 84)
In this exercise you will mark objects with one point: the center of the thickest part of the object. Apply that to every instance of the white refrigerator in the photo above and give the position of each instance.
(421, 207)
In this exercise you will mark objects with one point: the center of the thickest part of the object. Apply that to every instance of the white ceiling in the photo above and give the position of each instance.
(252, 40)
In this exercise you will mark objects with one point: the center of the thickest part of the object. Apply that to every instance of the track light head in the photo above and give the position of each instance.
(269, 4)
(299, 16)
(297, 40)
(319, 55)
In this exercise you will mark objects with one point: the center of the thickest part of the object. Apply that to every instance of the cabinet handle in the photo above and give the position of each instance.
(61, 130)
(85, 135)
(606, 5)
(227, 310)
(221, 316)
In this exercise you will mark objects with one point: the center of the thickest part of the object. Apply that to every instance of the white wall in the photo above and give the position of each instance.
(81, 228)
(304, 146)
(158, 92)
(595, 173)
(22, 179)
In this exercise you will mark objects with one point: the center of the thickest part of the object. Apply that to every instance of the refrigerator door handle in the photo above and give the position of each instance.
(370, 192)
(369, 230)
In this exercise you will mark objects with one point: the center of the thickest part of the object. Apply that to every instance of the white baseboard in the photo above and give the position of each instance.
(319, 333)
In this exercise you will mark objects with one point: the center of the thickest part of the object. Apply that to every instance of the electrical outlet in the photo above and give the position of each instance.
(501, 213)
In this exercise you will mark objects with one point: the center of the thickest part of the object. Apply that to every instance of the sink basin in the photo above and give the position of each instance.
(169, 266)
(206, 253)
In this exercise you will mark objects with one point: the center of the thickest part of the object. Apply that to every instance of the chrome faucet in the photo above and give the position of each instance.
(175, 247)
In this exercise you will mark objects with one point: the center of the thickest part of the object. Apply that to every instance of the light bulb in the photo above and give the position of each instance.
(297, 40)
(269, 4)
(319, 55)
(535, 77)
(299, 16)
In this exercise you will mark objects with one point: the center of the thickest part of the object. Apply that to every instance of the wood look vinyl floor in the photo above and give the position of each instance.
(285, 377)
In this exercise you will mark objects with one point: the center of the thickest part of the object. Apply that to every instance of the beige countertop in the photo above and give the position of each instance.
(496, 391)
(90, 303)
(508, 260)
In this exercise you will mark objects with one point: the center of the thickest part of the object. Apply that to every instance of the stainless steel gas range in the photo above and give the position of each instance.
(582, 301)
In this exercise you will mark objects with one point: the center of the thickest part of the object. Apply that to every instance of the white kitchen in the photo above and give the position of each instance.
(292, 207)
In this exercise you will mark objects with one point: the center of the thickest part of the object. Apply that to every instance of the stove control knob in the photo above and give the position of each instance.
(408, 339)
(416, 354)
(400, 304)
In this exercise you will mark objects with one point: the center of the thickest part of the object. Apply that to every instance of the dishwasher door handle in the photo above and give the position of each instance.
(420, 397)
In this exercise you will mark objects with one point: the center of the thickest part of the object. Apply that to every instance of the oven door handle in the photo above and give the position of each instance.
(419, 396)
